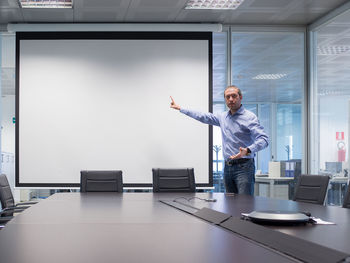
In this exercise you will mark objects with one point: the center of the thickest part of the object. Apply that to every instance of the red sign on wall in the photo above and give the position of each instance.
(339, 136)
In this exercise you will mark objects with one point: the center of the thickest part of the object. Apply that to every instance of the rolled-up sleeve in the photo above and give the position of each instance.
(259, 137)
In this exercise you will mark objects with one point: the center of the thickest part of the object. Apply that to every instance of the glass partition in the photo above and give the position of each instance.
(330, 104)
(269, 69)
(219, 84)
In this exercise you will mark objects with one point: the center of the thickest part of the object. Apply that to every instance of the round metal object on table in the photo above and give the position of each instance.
(278, 217)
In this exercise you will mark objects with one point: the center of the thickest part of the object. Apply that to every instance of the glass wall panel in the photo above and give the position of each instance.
(269, 69)
(252, 108)
(0, 93)
(7, 103)
(289, 135)
(219, 85)
(331, 104)
(263, 157)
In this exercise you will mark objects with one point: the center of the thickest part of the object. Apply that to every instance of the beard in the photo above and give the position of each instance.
(234, 106)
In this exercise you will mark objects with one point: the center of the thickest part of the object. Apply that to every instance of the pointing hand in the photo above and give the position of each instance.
(173, 104)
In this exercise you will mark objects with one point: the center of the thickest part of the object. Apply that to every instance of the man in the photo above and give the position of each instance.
(242, 137)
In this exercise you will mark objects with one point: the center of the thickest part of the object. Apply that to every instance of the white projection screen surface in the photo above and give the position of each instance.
(91, 102)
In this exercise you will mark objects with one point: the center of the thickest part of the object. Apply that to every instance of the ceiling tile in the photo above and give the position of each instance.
(48, 15)
(10, 15)
(270, 3)
(9, 4)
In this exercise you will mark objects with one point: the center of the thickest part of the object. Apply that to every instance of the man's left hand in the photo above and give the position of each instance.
(242, 152)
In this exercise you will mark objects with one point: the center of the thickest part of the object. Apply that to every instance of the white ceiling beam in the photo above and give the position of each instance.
(114, 27)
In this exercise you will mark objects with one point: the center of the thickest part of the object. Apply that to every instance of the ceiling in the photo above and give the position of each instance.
(271, 12)
(252, 53)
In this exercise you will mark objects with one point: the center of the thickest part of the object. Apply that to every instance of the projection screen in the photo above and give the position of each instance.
(100, 101)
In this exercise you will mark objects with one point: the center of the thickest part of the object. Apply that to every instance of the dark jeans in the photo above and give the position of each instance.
(240, 177)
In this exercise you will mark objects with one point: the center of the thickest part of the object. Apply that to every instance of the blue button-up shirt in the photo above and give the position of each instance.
(241, 129)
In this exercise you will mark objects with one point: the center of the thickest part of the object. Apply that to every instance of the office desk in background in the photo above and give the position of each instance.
(274, 187)
(136, 227)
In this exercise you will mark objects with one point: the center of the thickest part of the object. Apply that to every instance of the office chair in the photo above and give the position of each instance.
(173, 180)
(346, 202)
(4, 220)
(311, 189)
(101, 181)
(7, 201)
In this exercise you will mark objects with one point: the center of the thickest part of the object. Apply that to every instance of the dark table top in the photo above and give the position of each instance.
(136, 227)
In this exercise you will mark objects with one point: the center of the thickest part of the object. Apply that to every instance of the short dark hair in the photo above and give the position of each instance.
(234, 87)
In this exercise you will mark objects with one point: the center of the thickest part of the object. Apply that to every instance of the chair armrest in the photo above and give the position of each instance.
(15, 209)
(21, 207)
(27, 203)
(8, 213)
(4, 219)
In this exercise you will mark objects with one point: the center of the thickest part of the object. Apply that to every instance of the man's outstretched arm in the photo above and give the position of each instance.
(208, 118)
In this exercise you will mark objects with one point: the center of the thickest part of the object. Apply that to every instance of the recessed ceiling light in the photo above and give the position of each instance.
(269, 76)
(332, 50)
(330, 92)
(46, 3)
(213, 4)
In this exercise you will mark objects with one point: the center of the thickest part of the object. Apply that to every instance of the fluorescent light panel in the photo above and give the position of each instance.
(269, 76)
(213, 4)
(330, 92)
(46, 3)
(332, 50)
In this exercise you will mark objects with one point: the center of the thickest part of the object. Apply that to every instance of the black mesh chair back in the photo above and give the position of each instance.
(101, 181)
(311, 189)
(346, 202)
(6, 196)
(173, 180)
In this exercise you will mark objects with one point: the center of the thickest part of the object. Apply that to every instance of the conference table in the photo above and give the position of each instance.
(137, 227)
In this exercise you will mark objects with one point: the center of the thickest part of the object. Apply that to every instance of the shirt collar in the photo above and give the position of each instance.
(239, 111)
